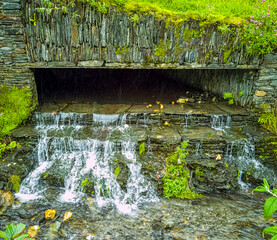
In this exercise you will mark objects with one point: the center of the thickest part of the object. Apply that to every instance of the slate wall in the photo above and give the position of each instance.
(30, 39)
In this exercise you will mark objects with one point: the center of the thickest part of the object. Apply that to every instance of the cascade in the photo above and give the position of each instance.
(246, 162)
(63, 144)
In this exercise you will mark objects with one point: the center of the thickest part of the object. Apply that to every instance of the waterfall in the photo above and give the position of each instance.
(244, 157)
(220, 122)
(66, 146)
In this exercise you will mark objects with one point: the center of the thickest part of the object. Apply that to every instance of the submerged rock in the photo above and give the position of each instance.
(6, 199)
(53, 230)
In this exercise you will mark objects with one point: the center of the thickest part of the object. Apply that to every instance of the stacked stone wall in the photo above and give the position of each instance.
(14, 68)
(30, 39)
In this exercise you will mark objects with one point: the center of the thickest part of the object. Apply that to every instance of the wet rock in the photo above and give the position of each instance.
(165, 138)
(19, 163)
(53, 177)
(122, 176)
(6, 199)
(53, 230)
(39, 218)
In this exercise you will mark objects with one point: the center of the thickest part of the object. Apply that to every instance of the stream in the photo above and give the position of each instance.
(89, 164)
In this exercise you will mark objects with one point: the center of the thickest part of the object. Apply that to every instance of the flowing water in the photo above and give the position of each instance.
(79, 148)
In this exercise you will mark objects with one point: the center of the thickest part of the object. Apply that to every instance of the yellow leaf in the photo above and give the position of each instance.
(33, 231)
(49, 214)
(67, 215)
(166, 123)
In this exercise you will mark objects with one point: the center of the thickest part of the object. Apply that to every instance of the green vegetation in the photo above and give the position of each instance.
(15, 108)
(15, 232)
(229, 96)
(270, 207)
(8, 147)
(177, 175)
(116, 172)
(142, 148)
(268, 118)
(15, 180)
(87, 186)
(199, 174)
(255, 20)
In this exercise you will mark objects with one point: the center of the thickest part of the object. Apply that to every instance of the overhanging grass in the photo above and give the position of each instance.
(223, 11)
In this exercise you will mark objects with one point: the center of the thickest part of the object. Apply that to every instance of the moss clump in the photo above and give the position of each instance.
(15, 108)
(15, 180)
(177, 175)
(268, 117)
(87, 186)
(199, 174)
(121, 51)
(226, 55)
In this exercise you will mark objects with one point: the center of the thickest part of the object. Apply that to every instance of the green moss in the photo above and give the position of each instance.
(121, 51)
(15, 108)
(199, 174)
(87, 186)
(15, 180)
(177, 175)
(226, 55)
(116, 171)
(142, 148)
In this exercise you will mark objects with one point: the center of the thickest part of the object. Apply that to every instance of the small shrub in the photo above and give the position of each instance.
(177, 175)
(229, 96)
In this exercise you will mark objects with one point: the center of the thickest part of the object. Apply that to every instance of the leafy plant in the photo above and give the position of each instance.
(229, 96)
(135, 19)
(11, 146)
(87, 186)
(270, 207)
(14, 232)
(15, 180)
(142, 148)
(260, 36)
(177, 175)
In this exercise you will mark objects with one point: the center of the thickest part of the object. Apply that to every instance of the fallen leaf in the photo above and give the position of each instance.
(33, 231)
(67, 215)
(49, 214)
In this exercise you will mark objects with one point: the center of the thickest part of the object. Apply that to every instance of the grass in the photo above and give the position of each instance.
(224, 11)
(255, 19)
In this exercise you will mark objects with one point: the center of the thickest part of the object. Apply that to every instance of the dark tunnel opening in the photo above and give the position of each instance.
(139, 86)
(107, 85)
